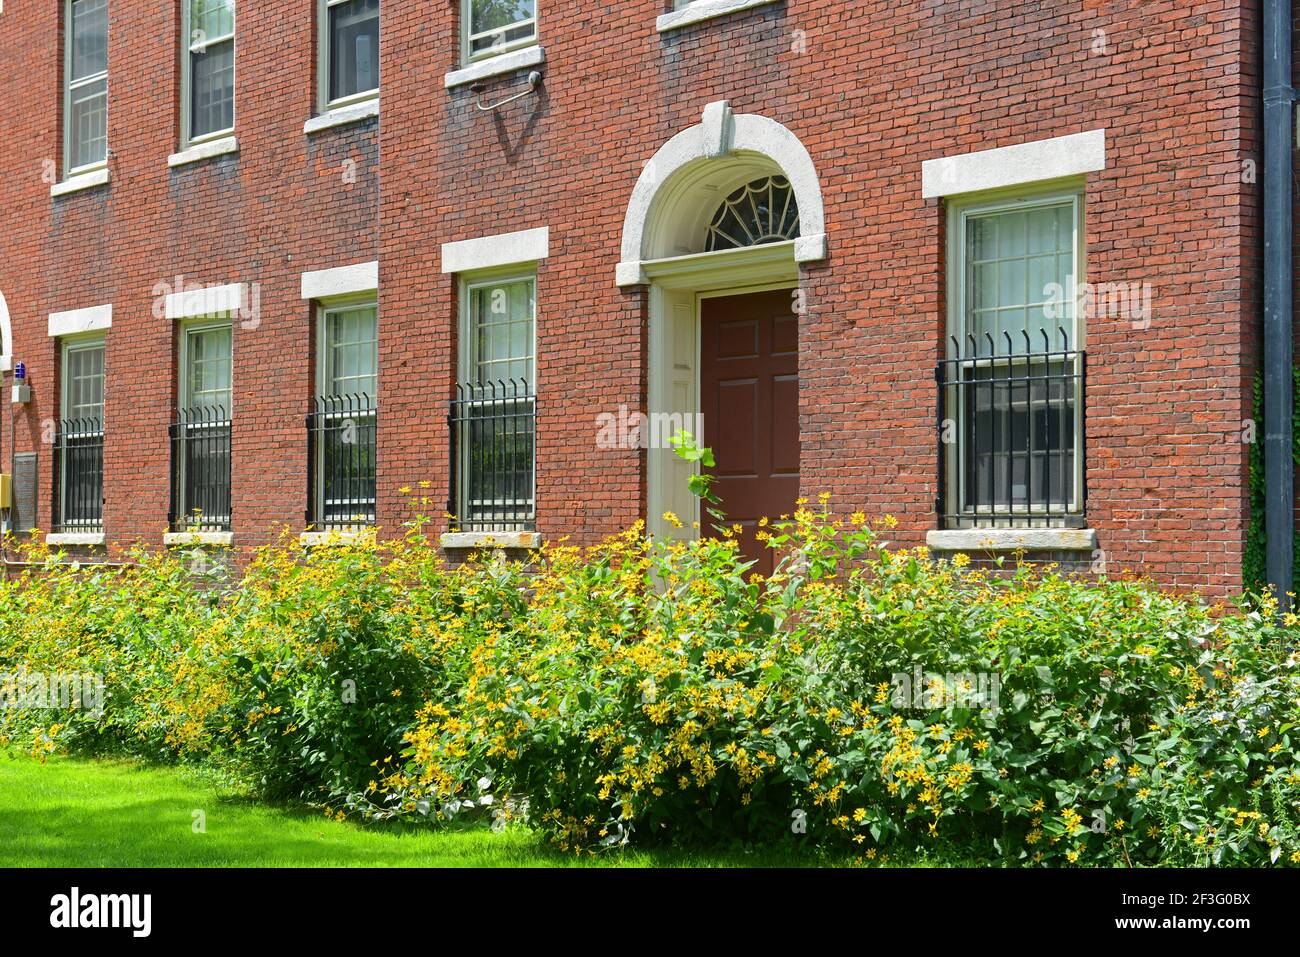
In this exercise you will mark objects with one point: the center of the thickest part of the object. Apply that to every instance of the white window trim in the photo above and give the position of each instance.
(472, 540)
(697, 11)
(343, 115)
(464, 360)
(467, 59)
(341, 281)
(74, 343)
(184, 330)
(187, 48)
(205, 303)
(217, 539)
(205, 149)
(976, 540)
(1020, 165)
(69, 171)
(75, 539)
(495, 66)
(958, 212)
(338, 302)
(75, 183)
(78, 321)
(323, 70)
(493, 252)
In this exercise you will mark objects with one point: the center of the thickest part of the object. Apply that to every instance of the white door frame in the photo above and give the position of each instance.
(678, 287)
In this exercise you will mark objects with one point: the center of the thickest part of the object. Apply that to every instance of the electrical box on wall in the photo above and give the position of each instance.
(22, 394)
(6, 491)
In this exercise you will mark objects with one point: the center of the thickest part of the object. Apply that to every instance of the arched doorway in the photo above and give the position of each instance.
(718, 226)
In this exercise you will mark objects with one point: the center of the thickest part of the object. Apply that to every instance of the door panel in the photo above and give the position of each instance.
(749, 382)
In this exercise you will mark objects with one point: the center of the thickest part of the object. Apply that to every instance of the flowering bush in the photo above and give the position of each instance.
(640, 691)
(871, 698)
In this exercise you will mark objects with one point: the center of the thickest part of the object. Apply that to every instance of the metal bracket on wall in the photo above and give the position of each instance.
(534, 81)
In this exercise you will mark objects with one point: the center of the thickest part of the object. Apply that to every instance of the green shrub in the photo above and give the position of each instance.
(659, 692)
(655, 693)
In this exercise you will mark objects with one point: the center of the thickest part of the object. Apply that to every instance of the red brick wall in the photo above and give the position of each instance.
(871, 88)
(278, 208)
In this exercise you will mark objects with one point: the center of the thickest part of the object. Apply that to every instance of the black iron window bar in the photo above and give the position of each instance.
(200, 475)
(494, 457)
(1011, 447)
(79, 476)
(341, 438)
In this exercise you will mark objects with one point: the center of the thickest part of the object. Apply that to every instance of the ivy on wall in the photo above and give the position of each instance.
(1253, 572)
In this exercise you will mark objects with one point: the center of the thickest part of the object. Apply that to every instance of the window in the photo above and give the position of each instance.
(494, 414)
(208, 69)
(349, 66)
(760, 212)
(85, 100)
(490, 27)
(342, 424)
(1012, 384)
(201, 433)
(79, 445)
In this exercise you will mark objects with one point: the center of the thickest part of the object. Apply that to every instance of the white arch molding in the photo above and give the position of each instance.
(6, 337)
(663, 244)
(720, 153)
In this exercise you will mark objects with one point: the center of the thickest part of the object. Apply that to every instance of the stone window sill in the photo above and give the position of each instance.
(342, 116)
(505, 63)
(75, 539)
(702, 10)
(490, 540)
(351, 537)
(222, 539)
(1013, 540)
(202, 151)
(79, 181)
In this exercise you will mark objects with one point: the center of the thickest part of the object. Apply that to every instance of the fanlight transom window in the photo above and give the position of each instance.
(762, 211)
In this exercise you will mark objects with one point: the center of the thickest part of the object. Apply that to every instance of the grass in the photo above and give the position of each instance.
(102, 813)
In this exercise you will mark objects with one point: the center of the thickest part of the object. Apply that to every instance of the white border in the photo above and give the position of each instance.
(341, 281)
(699, 10)
(489, 252)
(1018, 165)
(90, 319)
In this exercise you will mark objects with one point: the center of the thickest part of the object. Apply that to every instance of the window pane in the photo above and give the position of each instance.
(208, 371)
(351, 366)
(89, 38)
(211, 20)
(501, 336)
(354, 47)
(1019, 439)
(1018, 264)
(88, 123)
(496, 23)
(84, 368)
(213, 79)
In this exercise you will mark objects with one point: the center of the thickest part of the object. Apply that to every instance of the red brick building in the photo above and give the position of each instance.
(990, 267)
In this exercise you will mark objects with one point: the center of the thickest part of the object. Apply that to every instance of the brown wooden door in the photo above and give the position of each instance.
(749, 389)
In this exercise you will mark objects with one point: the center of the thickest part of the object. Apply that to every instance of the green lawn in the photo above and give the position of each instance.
(77, 813)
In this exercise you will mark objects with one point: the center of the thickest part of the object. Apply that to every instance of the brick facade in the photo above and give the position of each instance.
(871, 89)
